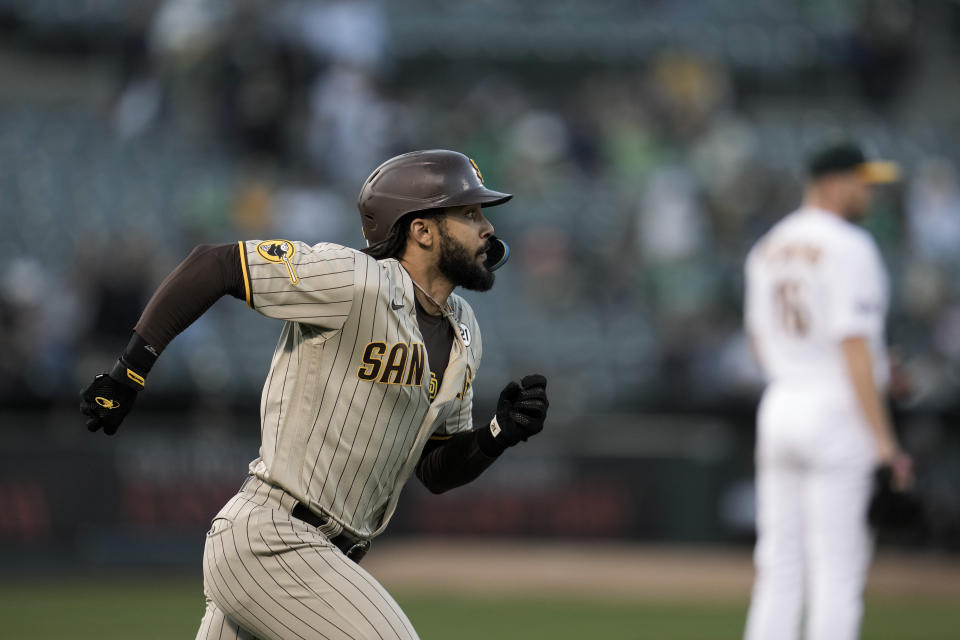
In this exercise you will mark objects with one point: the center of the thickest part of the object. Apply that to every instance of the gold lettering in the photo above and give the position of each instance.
(415, 376)
(372, 361)
(396, 363)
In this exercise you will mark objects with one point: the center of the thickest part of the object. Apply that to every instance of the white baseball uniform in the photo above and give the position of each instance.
(811, 282)
(346, 411)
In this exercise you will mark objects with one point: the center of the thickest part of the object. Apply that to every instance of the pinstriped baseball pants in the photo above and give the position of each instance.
(269, 576)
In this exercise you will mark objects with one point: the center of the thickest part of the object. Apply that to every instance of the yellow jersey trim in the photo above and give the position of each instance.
(246, 273)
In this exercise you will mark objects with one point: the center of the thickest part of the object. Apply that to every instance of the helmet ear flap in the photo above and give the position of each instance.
(497, 254)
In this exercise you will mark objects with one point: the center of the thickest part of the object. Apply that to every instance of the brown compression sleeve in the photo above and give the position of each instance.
(209, 272)
(450, 463)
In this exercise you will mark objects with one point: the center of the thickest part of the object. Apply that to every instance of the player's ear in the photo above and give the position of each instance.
(423, 232)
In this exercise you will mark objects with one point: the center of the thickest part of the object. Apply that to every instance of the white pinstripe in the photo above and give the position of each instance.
(271, 576)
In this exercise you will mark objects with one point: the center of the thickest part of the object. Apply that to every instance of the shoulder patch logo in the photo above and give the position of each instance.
(477, 169)
(279, 251)
(465, 334)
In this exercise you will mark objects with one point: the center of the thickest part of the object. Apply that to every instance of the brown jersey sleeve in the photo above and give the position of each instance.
(206, 275)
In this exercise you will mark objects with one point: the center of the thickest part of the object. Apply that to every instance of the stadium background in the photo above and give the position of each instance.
(648, 145)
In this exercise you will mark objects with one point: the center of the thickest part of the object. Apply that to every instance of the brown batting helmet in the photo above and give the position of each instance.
(423, 180)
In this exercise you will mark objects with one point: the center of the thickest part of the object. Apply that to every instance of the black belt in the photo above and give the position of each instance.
(351, 547)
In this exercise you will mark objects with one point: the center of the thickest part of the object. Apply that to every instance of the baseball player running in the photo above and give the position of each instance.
(371, 381)
(816, 297)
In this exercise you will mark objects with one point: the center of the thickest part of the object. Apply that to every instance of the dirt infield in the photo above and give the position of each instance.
(623, 571)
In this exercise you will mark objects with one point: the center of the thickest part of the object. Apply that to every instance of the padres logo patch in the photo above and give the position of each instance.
(279, 251)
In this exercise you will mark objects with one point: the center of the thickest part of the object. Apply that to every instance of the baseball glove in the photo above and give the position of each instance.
(890, 508)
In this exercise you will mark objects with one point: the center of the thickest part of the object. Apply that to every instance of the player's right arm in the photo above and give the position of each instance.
(751, 305)
(281, 279)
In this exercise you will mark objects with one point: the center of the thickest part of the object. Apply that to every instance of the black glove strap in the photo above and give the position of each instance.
(134, 364)
(139, 355)
(126, 375)
(487, 442)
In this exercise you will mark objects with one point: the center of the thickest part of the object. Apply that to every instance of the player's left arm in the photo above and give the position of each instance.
(856, 355)
(448, 462)
(857, 311)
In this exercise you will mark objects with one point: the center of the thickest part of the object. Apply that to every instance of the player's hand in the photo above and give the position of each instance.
(106, 402)
(901, 472)
(521, 411)
(899, 466)
(894, 504)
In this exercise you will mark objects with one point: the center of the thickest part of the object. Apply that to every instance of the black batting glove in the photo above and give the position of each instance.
(109, 398)
(521, 411)
(106, 402)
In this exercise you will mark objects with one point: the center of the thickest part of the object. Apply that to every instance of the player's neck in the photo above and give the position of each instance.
(432, 287)
(817, 200)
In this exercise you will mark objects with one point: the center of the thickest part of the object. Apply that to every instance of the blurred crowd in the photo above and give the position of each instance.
(641, 178)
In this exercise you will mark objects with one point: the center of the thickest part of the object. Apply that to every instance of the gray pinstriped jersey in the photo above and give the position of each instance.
(346, 410)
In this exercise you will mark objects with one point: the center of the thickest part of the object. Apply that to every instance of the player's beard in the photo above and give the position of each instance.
(461, 268)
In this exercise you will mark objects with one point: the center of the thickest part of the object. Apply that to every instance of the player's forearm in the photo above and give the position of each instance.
(451, 463)
(860, 369)
(206, 275)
